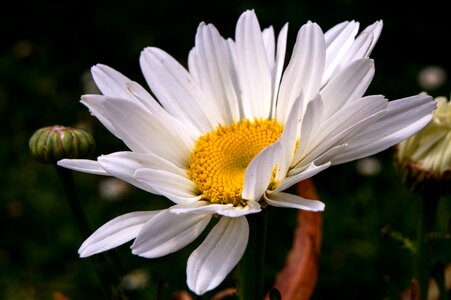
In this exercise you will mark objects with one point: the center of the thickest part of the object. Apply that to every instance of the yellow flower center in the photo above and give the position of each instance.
(220, 158)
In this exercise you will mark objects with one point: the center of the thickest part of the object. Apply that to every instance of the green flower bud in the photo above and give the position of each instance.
(50, 144)
(424, 159)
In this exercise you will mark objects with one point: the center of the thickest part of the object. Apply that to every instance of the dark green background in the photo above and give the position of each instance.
(46, 48)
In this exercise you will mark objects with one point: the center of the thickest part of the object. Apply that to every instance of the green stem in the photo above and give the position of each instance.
(426, 225)
(105, 264)
(67, 180)
(251, 267)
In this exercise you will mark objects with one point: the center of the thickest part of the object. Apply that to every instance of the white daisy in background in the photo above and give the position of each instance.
(229, 134)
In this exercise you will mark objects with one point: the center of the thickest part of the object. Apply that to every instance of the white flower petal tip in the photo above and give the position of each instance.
(403, 118)
(83, 165)
(218, 254)
(293, 201)
(110, 82)
(177, 90)
(253, 70)
(115, 232)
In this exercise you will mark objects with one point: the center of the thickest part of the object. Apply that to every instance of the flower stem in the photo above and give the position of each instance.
(251, 267)
(67, 181)
(426, 225)
(105, 264)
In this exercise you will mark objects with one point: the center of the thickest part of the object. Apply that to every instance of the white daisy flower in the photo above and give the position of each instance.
(229, 134)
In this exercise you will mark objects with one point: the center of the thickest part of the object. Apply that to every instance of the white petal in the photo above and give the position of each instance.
(110, 82)
(135, 161)
(351, 84)
(293, 201)
(83, 165)
(404, 118)
(296, 175)
(362, 46)
(351, 114)
(326, 157)
(211, 65)
(100, 106)
(341, 32)
(95, 106)
(204, 207)
(176, 90)
(115, 232)
(218, 254)
(251, 207)
(310, 122)
(352, 119)
(177, 188)
(276, 71)
(199, 207)
(375, 30)
(144, 97)
(338, 139)
(167, 232)
(155, 108)
(288, 139)
(270, 45)
(339, 39)
(259, 172)
(252, 67)
(123, 165)
(114, 84)
(305, 70)
(143, 132)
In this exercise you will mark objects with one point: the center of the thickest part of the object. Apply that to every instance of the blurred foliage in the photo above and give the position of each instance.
(46, 51)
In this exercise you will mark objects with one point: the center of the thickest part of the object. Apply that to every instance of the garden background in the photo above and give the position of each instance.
(46, 51)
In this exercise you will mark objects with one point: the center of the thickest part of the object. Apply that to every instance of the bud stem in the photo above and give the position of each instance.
(105, 264)
(67, 181)
(251, 267)
(426, 224)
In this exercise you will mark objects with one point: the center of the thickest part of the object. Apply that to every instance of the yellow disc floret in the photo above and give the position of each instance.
(220, 158)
